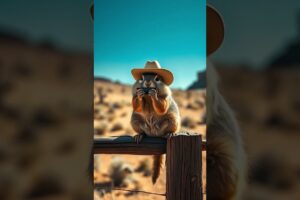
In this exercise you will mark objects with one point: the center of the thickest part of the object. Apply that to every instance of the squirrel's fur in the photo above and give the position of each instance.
(155, 114)
(226, 160)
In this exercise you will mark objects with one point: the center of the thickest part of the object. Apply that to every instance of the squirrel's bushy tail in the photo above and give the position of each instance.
(157, 162)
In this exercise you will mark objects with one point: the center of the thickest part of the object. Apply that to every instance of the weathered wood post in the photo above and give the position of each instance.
(184, 167)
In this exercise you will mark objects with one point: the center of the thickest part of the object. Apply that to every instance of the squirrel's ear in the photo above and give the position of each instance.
(92, 11)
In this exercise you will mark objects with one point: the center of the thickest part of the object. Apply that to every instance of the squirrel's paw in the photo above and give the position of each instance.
(169, 135)
(138, 138)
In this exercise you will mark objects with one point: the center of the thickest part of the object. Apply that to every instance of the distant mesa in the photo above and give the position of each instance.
(200, 83)
(19, 38)
(290, 57)
(9, 36)
(102, 79)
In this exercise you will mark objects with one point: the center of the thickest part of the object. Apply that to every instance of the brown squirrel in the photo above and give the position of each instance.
(155, 113)
(226, 158)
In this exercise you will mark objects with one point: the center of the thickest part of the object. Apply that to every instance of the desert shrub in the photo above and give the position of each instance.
(124, 114)
(119, 172)
(117, 127)
(192, 106)
(189, 94)
(117, 105)
(111, 117)
(98, 114)
(144, 167)
(273, 172)
(123, 90)
(111, 110)
(188, 122)
(22, 69)
(101, 95)
(100, 127)
(109, 90)
(65, 70)
(200, 103)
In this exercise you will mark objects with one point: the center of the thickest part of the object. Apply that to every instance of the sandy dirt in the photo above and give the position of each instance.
(112, 118)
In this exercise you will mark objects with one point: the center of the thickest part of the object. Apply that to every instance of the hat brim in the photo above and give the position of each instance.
(165, 74)
(214, 30)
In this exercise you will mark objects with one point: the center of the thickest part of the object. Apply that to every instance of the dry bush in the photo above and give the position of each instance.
(98, 114)
(192, 106)
(272, 172)
(117, 127)
(117, 105)
(200, 103)
(100, 127)
(124, 114)
(189, 94)
(144, 167)
(109, 90)
(101, 94)
(111, 117)
(188, 122)
(123, 90)
(120, 172)
(23, 70)
(111, 110)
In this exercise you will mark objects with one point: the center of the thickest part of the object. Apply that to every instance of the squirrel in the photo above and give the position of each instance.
(225, 153)
(226, 158)
(155, 112)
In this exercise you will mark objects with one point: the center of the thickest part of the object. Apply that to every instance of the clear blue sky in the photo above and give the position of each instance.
(128, 33)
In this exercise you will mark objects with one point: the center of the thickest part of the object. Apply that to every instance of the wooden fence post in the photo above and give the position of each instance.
(184, 168)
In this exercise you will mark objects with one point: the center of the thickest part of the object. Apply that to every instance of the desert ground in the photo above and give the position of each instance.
(112, 112)
(267, 106)
(50, 130)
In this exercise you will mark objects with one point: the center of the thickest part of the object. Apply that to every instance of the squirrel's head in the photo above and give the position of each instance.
(151, 81)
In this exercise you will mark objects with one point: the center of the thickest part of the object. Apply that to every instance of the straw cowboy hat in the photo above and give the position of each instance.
(214, 30)
(153, 67)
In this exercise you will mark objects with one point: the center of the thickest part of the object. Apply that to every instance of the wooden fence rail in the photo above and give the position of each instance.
(127, 145)
(184, 160)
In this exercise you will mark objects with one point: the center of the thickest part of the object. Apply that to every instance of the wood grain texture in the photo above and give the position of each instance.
(184, 168)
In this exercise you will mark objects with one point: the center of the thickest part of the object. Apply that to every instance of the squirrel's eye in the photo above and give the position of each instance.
(157, 79)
